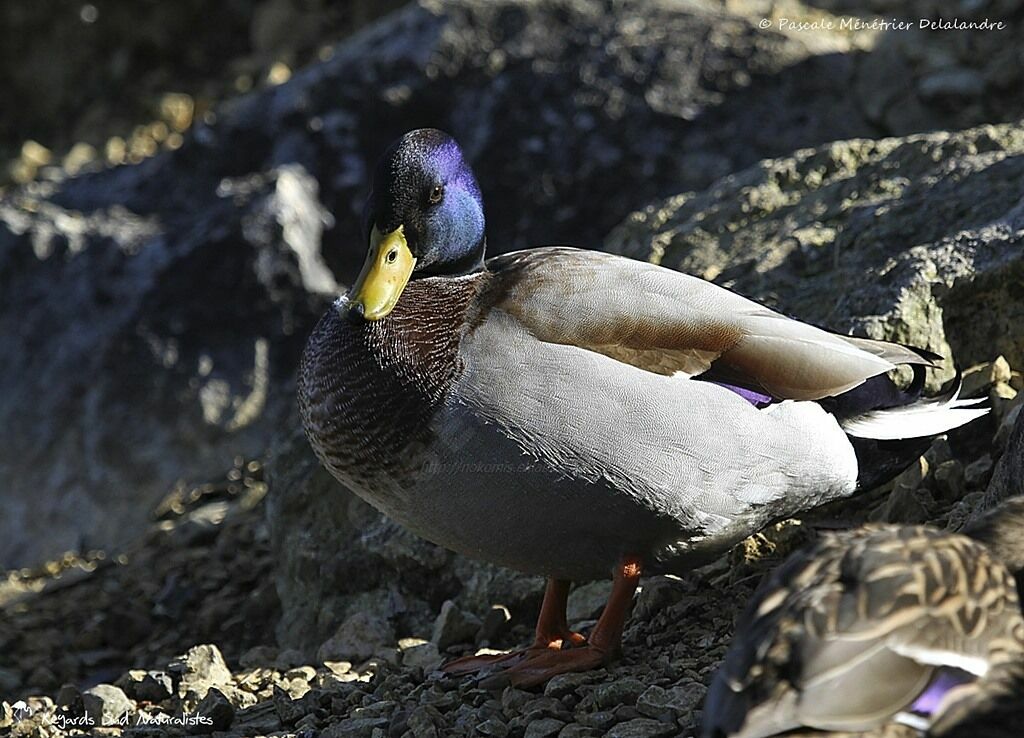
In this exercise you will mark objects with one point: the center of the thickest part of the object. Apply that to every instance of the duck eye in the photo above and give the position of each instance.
(392, 255)
(436, 194)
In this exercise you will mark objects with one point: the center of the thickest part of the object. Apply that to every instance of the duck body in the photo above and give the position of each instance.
(570, 413)
(543, 456)
(876, 625)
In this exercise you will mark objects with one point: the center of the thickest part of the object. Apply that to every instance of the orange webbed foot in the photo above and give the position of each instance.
(540, 666)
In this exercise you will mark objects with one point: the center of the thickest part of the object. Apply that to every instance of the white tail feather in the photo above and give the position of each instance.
(929, 417)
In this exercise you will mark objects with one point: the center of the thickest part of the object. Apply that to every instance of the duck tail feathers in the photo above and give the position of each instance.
(922, 418)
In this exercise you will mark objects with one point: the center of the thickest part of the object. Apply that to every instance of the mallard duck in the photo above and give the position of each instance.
(881, 624)
(572, 413)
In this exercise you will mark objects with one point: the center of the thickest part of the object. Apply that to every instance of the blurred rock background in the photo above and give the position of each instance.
(180, 200)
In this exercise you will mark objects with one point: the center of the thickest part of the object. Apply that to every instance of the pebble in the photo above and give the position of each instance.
(978, 472)
(146, 686)
(106, 704)
(493, 727)
(216, 711)
(642, 728)
(587, 600)
(949, 480)
(200, 668)
(620, 692)
(454, 626)
(360, 636)
(543, 728)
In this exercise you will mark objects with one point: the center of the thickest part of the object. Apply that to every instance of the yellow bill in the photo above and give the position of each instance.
(389, 264)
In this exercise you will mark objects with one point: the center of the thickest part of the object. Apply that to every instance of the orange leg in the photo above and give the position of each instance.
(552, 633)
(603, 646)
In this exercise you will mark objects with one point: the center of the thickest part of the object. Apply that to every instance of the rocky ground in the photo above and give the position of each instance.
(174, 634)
(153, 305)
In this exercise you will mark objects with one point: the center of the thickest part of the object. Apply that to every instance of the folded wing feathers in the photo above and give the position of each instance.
(928, 417)
(655, 318)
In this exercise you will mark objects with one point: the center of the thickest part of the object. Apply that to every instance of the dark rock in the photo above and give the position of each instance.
(361, 636)
(146, 686)
(543, 728)
(454, 626)
(641, 728)
(355, 727)
(70, 698)
(493, 727)
(619, 692)
(106, 705)
(600, 720)
(215, 711)
(494, 624)
(949, 480)
(668, 705)
(978, 472)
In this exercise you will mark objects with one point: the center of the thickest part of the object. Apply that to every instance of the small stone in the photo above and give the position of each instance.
(305, 673)
(656, 594)
(543, 707)
(361, 636)
(641, 728)
(1000, 372)
(422, 654)
(6, 714)
(949, 480)
(200, 668)
(356, 728)
(938, 452)
(70, 698)
(587, 600)
(260, 719)
(453, 626)
(338, 668)
(620, 692)
(215, 712)
(106, 704)
(424, 721)
(289, 710)
(512, 701)
(575, 730)
(493, 727)
(494, 624)
(544, 727)
(146, 686)
(668, 705)
(564, 684)
(978, 472)
(600, 720)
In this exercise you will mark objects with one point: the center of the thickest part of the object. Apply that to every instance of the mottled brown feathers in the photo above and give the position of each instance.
(864, 603)
(368, 390)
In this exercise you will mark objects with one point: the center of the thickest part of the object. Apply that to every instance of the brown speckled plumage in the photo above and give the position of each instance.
(367, 390)
(881, 605)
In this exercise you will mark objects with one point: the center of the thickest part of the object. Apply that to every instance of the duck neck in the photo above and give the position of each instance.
(468, 262)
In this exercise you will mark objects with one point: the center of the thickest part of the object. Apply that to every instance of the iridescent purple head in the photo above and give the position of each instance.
(423, 185)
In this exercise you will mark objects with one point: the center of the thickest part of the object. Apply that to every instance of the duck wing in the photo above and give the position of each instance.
(855, 630)
(668, 323)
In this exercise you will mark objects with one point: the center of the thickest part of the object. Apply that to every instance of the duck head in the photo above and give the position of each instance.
(424, 217)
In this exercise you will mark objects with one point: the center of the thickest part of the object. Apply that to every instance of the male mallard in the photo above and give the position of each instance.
(880, 624)
(572, 413)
